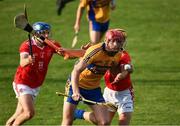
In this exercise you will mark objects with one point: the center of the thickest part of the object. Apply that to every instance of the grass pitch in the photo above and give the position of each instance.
(153, 41)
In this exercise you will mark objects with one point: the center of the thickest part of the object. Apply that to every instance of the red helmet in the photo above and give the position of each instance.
(116, 34)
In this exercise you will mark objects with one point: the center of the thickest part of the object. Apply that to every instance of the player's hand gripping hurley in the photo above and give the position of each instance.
(107, 104)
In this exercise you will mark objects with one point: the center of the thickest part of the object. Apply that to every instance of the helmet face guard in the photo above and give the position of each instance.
(42, 28)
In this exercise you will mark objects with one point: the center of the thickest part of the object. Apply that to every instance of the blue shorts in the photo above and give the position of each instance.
(100, 27)
(93, 95)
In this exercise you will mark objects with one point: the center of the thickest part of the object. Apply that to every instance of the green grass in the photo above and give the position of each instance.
(153, 41)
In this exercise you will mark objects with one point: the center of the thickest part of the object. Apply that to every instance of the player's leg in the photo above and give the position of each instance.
(124, 102)
(25, 107)
(94, 35)
(125, 107)
(111, 115)
(88, 116)
(61, 4)
(97, 30)
(79, 114)
(18, 111)
(69, 105)
(124, 118)
(68, 112)
(27, 104)
(101, 114)
(109, 97)
(103, 28)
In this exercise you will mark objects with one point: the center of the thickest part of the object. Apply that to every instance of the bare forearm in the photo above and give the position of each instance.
(78, 68)
(75, 53)
(24, 62)
(79, 14)
(78, 18)
(26, 59)
(122, 75)
(75, 81)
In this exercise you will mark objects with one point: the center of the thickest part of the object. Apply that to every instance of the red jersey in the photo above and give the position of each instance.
(122, 84)
(34, 74)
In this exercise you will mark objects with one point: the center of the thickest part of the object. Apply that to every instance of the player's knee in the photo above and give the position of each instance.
(29, 114)
(94, 42)
(95, 39)
(67, 121)
(103, 122)
(125, 119)
(10, 122)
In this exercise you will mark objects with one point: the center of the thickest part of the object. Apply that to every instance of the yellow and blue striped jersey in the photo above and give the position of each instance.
(98, 63)
(98, 10)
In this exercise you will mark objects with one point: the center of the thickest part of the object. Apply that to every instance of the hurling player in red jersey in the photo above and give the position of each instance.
(118, 90)
(31, 72)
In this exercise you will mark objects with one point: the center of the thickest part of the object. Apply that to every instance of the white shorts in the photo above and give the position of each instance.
(123, 99)
(22, 89)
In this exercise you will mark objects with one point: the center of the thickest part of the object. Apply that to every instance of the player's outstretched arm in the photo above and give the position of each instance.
(127, 69)
(71, 53)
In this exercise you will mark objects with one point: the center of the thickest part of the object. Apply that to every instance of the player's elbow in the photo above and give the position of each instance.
(77, 69)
